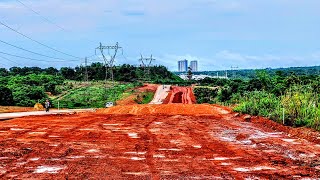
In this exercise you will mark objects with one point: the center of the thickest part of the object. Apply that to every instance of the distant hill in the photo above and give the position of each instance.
(251, 73)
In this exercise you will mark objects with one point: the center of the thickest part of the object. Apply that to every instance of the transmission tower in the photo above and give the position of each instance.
(233, 69)
(109, 62)
(145, 64)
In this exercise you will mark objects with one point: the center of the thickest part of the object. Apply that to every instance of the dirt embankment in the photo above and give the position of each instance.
(164, 94)
(166, 109)
(182, 95)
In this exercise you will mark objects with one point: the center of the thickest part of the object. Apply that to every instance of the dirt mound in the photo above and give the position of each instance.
(38, 107)
(167, 109)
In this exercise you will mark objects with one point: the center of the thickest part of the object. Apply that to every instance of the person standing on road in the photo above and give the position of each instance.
(47, 105)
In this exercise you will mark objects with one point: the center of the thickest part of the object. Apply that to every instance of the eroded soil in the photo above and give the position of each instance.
(163, 142)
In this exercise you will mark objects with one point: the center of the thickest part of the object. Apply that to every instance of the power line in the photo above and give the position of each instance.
(32, 59)
(44, 18)
(49, 21)
(34, 52)
(37, 41)
(9, 60)
(3, 64)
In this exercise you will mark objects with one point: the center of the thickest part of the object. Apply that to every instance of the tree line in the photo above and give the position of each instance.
(293, 100)
(24, 86)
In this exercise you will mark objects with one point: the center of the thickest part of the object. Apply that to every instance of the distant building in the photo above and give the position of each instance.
(183, 66)
(194, 66)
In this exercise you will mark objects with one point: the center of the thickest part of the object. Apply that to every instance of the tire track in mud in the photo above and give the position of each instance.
(157, 146)
(151, 144)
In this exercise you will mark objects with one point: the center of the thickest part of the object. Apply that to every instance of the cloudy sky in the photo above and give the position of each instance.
(217, 33)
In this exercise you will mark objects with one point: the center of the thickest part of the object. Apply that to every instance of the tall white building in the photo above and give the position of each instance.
(194, 66)
(183, 66)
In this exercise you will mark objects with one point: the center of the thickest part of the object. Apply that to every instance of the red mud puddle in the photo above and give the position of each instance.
(157, 146)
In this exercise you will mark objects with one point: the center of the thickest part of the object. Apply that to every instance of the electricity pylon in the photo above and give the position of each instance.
(108, 62)
(145, 64)
(233, 69)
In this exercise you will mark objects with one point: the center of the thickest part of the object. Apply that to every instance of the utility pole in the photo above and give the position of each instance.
(146, 63)
(86, 70)
(86, 79)
(108, 62)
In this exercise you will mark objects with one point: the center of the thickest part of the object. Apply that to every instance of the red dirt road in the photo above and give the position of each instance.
(174, 95)
(182, 95)
(154, 141)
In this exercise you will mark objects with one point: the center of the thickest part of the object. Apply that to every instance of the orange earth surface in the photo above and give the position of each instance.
(166, 141)
(8, 109)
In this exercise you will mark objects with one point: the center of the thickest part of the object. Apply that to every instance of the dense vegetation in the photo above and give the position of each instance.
(96, 71)
(27, 90)
(94, 94)
(251, 73)
(28, 85)
(292, 100)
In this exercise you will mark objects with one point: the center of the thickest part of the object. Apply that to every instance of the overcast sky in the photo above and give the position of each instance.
(217, 33)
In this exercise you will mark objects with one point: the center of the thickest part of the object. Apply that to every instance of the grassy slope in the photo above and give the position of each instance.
(93, 95)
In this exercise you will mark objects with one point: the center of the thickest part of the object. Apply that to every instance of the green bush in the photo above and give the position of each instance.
(28, 95)
(205, 94)
(6, 97)
(144, 98)
(260, 103)
(301, 106)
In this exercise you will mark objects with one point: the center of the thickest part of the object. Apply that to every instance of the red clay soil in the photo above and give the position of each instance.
(148, 88)
(171, 141)
(182, 95)
(9, 109)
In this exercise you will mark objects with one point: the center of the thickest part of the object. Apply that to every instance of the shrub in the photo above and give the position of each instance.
(260, 103)
(6, 98)
(205, 95)
(28, 95)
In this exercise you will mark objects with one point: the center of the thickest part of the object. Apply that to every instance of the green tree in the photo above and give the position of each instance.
(6, 98)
